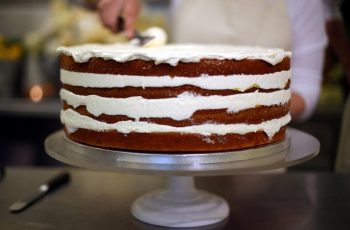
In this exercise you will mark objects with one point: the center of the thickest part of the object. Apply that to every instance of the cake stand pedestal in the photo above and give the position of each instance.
(181, 204)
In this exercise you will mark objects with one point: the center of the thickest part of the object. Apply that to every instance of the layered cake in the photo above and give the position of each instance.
(175, 98)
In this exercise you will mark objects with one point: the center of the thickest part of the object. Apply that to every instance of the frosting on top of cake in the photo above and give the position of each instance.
(173, 53)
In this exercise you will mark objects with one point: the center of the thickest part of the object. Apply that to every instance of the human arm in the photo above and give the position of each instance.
(109, 10)
(297, 105)
(309, 42)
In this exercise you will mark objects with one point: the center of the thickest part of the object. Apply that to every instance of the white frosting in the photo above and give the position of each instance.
(178, 108)
(74, 120)
(172, 54)
(276, 80)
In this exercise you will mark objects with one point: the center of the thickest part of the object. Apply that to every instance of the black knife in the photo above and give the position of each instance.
(141, 39)
(44, 189)
(2, 171)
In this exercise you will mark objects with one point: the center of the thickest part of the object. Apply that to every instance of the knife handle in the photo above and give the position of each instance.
(120, 24)
(56, 182)
(2, 171)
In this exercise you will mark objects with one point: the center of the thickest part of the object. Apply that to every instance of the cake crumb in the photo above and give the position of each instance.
(208, 140)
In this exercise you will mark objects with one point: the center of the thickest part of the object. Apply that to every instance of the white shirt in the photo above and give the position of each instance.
(309, 40)
(304, 34)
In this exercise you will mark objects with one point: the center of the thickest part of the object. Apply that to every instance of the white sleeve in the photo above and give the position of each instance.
(309, 42)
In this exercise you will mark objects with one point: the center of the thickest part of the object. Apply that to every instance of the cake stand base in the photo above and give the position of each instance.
(180, 205)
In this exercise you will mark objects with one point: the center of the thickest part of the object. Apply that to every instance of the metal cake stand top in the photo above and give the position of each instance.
(297, 147)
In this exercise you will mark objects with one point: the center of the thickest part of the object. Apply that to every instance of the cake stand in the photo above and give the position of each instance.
(181, 204)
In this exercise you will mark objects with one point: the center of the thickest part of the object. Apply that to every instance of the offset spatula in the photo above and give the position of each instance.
(44, 189)
(141, 39)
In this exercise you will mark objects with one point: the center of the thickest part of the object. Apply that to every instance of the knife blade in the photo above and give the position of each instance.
(43, 190)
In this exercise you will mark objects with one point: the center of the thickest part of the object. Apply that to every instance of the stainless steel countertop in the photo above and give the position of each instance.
(101, 200)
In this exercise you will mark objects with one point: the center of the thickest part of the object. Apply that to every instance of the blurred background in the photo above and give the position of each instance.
(30, 32)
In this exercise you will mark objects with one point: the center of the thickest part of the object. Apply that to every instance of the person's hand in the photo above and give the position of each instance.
(297, 106)
(109, 10)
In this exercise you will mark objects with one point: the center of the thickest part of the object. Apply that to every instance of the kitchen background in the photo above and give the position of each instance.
(30, 32)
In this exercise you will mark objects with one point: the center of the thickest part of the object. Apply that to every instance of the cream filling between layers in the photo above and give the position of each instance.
(242, 82)
(74, 120)
(178, 108)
